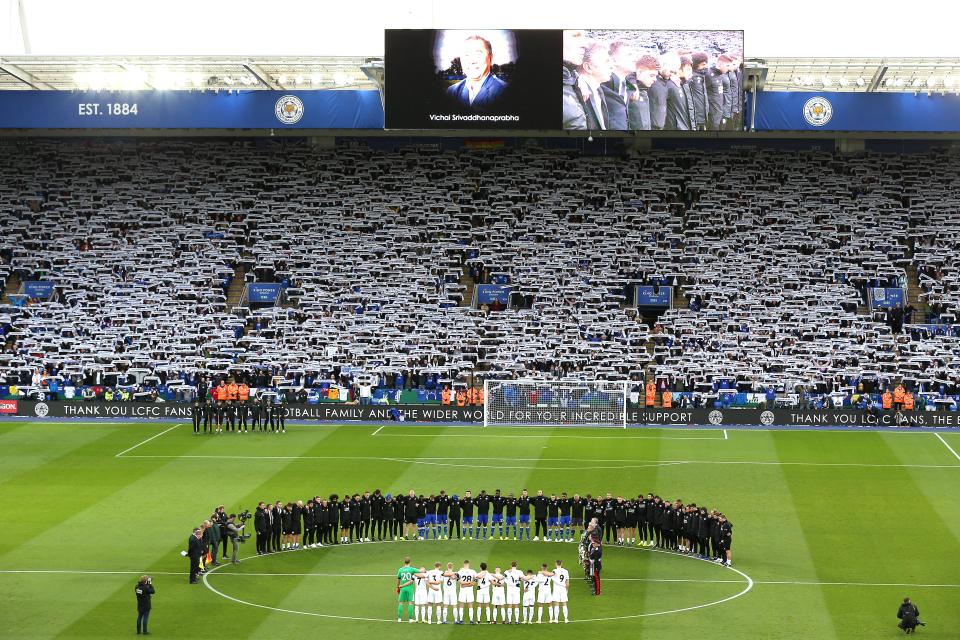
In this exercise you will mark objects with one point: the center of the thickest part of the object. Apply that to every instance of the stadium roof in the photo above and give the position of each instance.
(330, 72)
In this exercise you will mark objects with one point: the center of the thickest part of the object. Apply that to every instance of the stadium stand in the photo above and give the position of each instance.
(771, 254)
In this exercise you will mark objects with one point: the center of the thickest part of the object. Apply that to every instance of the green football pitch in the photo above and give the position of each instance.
(831, 528)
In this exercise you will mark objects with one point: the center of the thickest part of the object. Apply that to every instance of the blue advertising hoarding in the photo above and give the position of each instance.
(887, 298)
(263, 292)
(648, 296)
(40, 289)
(854, 111)
(320, 109)
(488, 293)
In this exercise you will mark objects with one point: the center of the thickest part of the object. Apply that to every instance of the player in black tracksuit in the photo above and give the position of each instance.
(577, 513)
(389, 518)
(333, 520)
(376, 515)
(454, 517)
(483, 514)
(539, 515)
(620, 519)
(365, 517)
(443, 514)
(355, 534)
(609, 521)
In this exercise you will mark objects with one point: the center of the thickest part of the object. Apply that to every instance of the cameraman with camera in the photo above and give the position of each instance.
(234, 534)
(144, 591)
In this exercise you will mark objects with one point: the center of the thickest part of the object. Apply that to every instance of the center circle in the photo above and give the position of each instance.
(347, 579)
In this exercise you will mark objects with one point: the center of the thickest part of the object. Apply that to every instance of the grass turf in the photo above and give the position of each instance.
(830, 526)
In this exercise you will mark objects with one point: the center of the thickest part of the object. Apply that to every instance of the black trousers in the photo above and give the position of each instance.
(194, 568)
(223, 541)
(275, 538)
(243, 418)
(262, 541)
(196, 423)
(609, 528)
(308, 535)
(365, 529)
(539, 523)
(379, 525)
(454, 524)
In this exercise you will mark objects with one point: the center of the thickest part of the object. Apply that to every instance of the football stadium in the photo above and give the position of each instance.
(393, 319)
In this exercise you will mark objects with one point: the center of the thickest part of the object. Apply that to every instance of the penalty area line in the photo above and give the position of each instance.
(153, 437)
(940, 438)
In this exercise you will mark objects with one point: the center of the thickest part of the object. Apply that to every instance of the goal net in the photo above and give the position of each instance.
(529, 403)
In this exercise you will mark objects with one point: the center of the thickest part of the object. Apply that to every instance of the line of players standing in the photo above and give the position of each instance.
(368, 517)
(611, 87)
(230, 406)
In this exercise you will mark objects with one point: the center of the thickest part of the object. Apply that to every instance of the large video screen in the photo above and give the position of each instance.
(470, 79)
(577, 79)
(652, 80)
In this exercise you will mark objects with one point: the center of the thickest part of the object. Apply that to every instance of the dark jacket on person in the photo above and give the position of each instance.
(194, 547)
(144, 591)
(574, 114)
(260, 521)
(616, 92)
(716, 97)
(909, 615)
(638, 109)
(658, 92)
(678, 114)
(698, 98)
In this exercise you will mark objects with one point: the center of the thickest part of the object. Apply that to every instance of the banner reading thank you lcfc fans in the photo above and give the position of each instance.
(440, 413)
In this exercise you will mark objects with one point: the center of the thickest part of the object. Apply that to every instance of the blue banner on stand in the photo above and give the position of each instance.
(854, 111)
(261, 292)
(318, 109)
(649, 296)
(40, 289)
(488, 293)
(887, 298)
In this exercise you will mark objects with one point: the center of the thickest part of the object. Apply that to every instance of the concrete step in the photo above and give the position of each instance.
(470, 285)
(12, 286)
(237, 285)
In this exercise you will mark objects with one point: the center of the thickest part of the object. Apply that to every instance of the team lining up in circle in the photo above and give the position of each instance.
(511, 595)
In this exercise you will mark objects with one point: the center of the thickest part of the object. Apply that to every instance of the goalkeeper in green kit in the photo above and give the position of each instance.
(405, 589)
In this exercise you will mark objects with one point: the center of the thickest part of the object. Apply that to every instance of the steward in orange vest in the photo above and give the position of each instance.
(445, 395)
(908, 401)
(887, 400)
(651, 393)
(667, 400)
(461, 398)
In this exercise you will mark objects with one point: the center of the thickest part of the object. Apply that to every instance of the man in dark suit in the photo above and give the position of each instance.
(617, 89)
(260, 525)
(638, 105)
(718, 92)
(736, 92)
(687, 77)
(195, 552)
(594, 71)
(277, 529)
(480, 90)
(659, 92)
(677, 116)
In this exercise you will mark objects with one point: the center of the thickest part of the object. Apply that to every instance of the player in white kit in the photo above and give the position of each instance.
(560, 579)
(468, 578)
(420, 596)
(544, 595)
(529, 596)
(450, 579)
(498, 597)
(483, 592)
(514, 580)
(435, 580)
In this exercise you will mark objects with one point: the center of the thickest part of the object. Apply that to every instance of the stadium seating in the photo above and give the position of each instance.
(772, 252)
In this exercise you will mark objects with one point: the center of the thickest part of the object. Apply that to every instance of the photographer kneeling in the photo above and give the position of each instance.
(909, 616)
(234, 535)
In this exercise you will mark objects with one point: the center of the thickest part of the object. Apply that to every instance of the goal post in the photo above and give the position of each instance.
(543, 403)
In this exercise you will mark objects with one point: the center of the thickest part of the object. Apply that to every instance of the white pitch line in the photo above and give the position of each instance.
(725, 434)
(235, 574)
(635, 462)
(940, 438)
(378, 431)
(509, 436)
(147, 440)
(93, 573)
